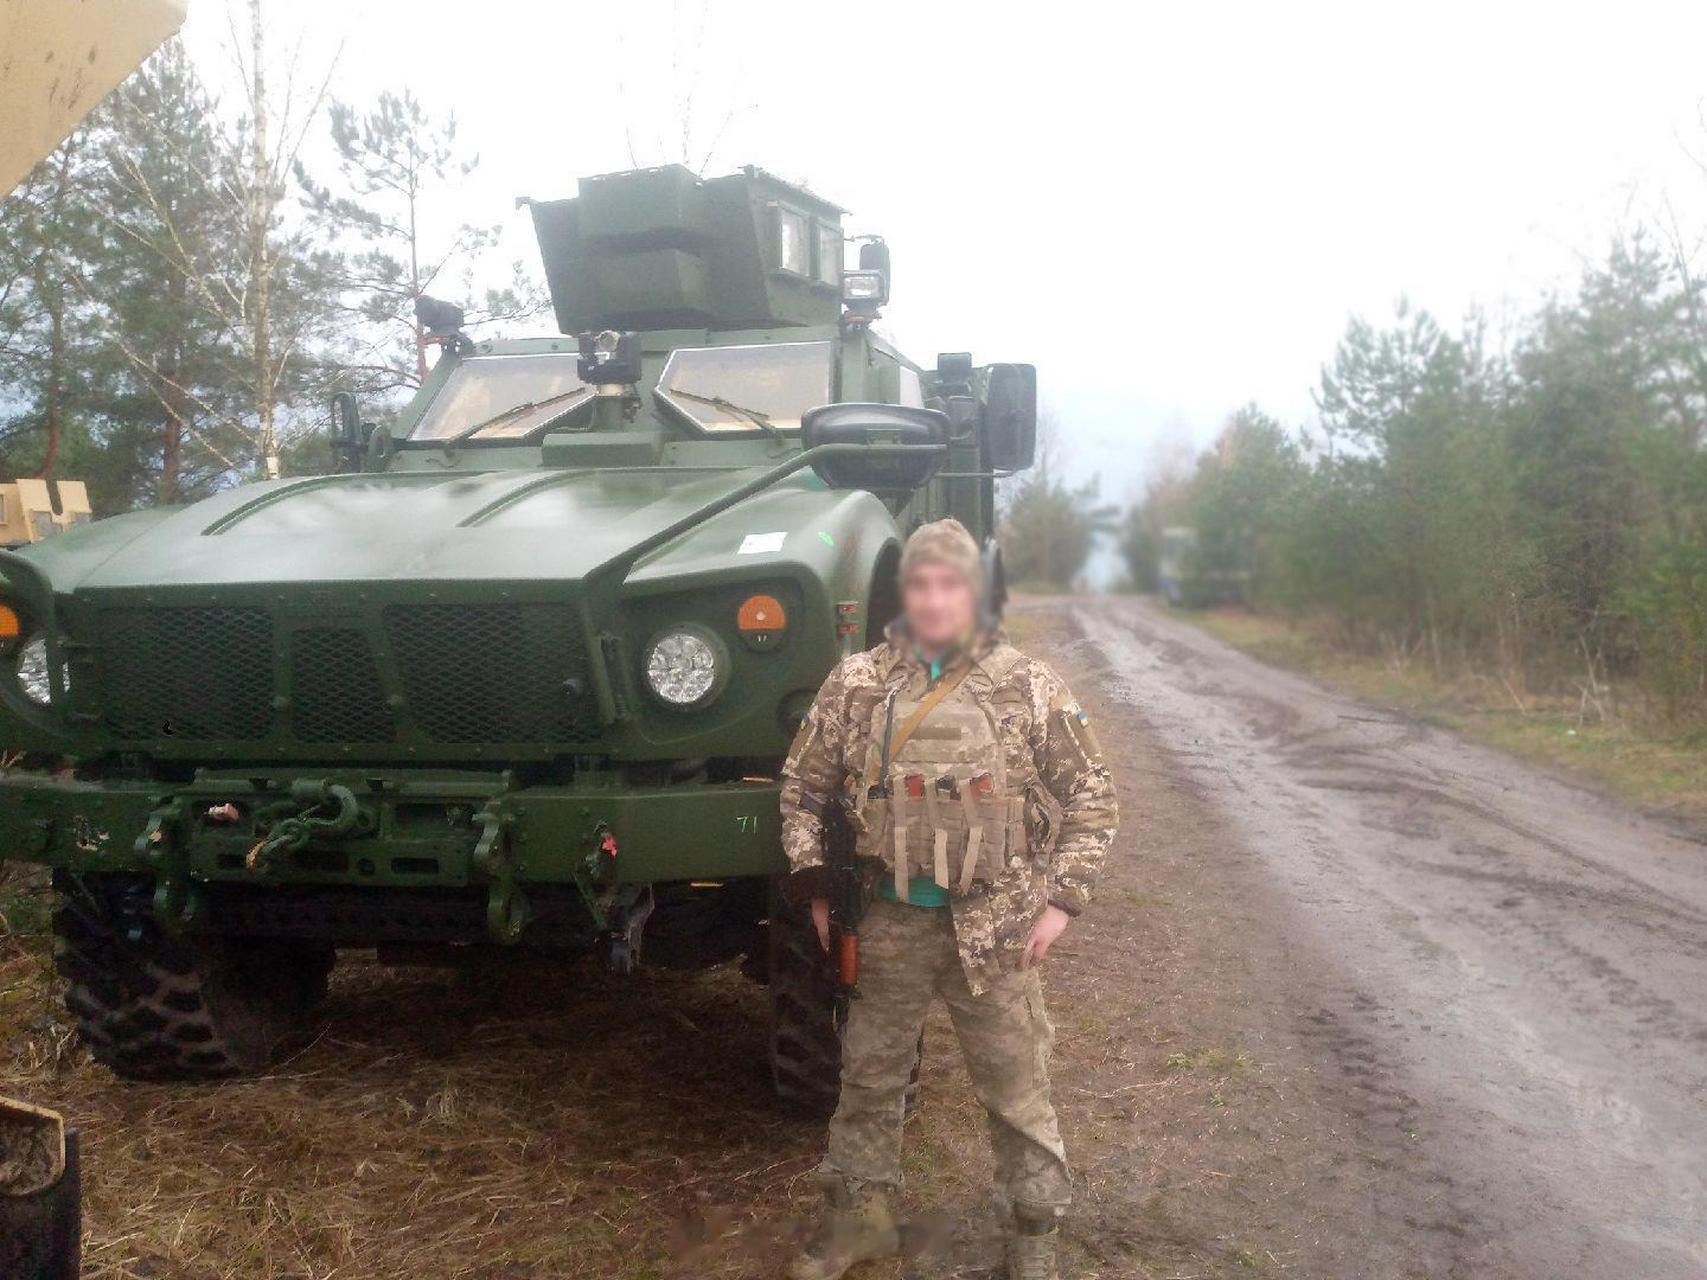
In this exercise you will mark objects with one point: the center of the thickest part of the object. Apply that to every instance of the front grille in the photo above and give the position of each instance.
(336, 695)
(469, 674)
(493, 673)
(194, 673)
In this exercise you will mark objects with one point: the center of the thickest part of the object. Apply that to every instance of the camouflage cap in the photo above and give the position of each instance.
(944, 542)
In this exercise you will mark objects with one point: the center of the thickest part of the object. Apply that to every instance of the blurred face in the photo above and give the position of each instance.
(940, 607)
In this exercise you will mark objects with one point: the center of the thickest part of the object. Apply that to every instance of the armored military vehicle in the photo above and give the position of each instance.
(521, 673)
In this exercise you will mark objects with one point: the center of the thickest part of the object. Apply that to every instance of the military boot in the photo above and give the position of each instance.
(856, 1227)
(1032, 1241)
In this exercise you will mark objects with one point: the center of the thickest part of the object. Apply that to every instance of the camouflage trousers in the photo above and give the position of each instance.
(908, 956)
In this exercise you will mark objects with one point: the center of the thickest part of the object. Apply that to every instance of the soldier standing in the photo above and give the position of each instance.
(972, 777)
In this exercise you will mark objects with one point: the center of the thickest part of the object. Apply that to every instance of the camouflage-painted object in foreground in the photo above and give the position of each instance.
(524, 670)
(31, 510)
(1050, 759)
(40, 1207)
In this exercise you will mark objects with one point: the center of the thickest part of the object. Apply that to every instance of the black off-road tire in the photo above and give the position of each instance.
(153, 1007)
(805, 1047)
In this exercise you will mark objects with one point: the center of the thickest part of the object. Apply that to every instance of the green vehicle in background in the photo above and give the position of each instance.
(521, 673)
(1192, 577)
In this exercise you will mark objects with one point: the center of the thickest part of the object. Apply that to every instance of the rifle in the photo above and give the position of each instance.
(847, 906)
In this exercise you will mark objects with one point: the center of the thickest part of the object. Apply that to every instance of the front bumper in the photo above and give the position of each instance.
(457, 831)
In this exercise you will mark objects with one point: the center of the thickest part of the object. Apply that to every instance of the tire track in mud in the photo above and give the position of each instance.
(1513, 968)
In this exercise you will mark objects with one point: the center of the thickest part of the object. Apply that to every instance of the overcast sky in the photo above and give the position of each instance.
(1170, 210)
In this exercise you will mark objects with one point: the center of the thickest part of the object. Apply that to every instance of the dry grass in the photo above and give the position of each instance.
(525, 1123)
(434, 1129)
(1660, 771)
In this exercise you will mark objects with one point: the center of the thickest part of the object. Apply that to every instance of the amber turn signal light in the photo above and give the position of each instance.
(10, 627)
(761, 621)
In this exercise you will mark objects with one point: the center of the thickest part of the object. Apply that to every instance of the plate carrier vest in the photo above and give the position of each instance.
(936, 802)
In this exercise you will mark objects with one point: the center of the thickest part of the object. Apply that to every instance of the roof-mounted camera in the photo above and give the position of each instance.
(609, 358)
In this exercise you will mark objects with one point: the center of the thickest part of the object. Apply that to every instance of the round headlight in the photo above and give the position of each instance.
(32, 671)
(684, 666)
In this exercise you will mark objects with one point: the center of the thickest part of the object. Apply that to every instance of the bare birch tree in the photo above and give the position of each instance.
(269, 142)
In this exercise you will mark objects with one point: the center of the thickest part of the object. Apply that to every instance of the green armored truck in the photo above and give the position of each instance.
(522, 671)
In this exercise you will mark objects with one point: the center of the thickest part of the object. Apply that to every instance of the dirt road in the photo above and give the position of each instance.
(1356, 1001)
(1504, 968)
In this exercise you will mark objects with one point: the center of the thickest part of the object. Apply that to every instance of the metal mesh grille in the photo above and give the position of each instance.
(336, 695)
(493, 673)
(195, 673)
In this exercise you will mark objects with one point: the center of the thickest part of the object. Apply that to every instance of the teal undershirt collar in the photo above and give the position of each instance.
(922, 891)
(937, 665)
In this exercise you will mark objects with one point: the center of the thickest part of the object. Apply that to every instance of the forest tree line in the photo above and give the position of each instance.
(185, 279)
(1537, 513)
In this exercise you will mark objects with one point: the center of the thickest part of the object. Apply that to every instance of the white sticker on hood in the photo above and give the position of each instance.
(754, 543)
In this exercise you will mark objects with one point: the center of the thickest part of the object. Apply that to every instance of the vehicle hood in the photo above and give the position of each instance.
(514, 525)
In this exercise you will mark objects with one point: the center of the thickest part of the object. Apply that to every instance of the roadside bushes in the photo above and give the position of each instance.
(1049, 527)
(1538, 514)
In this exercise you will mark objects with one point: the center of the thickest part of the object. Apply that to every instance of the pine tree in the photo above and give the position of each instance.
(176, 415)
(397, 166)
(45, 230)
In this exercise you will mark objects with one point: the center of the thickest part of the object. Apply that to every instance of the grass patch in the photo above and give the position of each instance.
(1038, 587)
(1648, 767)
(25, 915)
(1022, 629)
(26, 902)
(1215, 1061)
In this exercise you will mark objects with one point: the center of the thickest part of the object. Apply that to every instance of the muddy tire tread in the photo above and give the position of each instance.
(154, 1007)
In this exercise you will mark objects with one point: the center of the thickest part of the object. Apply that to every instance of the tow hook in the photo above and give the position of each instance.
(507, 909)
(627, 924)
(289, 832)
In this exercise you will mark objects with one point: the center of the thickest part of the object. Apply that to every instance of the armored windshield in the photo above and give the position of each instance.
(503, 398)
(728, 389)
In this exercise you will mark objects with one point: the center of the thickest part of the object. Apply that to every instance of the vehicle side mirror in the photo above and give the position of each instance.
(344, 429)
(1010, 417)
(876, 425)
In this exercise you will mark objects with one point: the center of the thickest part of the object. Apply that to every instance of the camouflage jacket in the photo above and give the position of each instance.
(1050, 749)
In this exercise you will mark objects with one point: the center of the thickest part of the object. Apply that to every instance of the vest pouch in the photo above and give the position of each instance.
(871, 836)
(941, 842)
(959, 833)
(989, 839)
